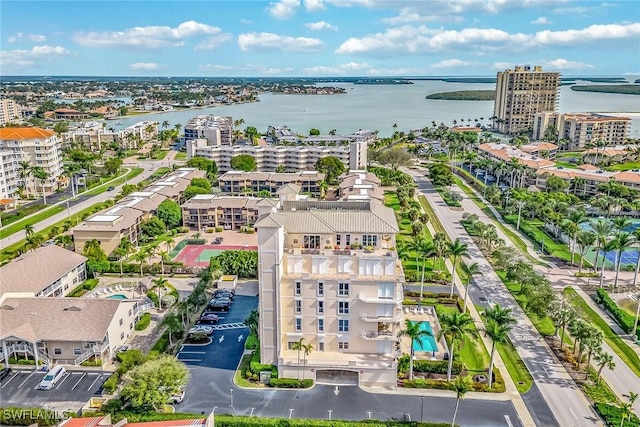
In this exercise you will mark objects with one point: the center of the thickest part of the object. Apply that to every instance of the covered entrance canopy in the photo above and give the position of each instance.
(337, 377)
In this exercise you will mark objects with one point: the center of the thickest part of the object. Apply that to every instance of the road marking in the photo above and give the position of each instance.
(190, 360)
(181, 347)
(251, 414)
(63, 380)
(290, 413)
(221, 339)
(9, 380)
(76, 384)
(508, 420)
(573, 413)
(240, 338)
(194, 352)
(330, 412)
(94, 381)
(26, 379)
(369, 415)
(336, 390)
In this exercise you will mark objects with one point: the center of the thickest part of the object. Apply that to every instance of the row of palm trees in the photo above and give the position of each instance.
(38, 172)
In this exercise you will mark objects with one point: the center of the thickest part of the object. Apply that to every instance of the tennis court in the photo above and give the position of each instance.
(199, 255)
(628, 256)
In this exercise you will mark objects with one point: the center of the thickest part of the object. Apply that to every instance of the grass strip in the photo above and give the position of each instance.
(40, 216)
(617, 344)
(131, 173)
(515, 366)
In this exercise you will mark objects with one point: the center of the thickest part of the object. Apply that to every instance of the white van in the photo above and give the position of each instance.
(52, 377)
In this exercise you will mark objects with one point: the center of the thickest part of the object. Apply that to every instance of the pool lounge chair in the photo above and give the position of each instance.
(406, 309)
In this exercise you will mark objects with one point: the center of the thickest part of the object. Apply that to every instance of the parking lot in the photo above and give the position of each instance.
(71, 392)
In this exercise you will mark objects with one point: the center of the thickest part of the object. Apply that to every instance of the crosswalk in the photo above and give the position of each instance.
(226, 326)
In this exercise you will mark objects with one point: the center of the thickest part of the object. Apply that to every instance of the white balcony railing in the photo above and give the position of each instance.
(378, 335)
(370, 299)
(375, 318)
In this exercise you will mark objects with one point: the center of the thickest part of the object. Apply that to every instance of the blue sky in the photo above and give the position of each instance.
(317, 37)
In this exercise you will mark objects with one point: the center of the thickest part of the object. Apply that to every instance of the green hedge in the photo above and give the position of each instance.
(13, 416)
(622, 318)
(111, 383)
(252, 342)
(162, 344)
(290, 383)
(428, 383)
(86, 286)
(437, 366)
(144, 322)
(153, 297)
(612, 416)
(16, 361)
(255, 367)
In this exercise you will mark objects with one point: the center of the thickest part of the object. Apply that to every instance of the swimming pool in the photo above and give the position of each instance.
(428, 343)
(118, 296)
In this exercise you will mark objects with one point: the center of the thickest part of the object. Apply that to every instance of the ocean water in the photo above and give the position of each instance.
(379, 107)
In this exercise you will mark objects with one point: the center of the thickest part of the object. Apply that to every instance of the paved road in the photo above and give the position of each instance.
(566, 401)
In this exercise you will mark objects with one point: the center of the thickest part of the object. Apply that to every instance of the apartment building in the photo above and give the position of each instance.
(48, 271)
(360, 185)
(10, 112)
(583, 129)
(528, 156)
(230, 213)
(39, 148)
(520, 94)
(329, 274)
(111, 225)
(216, 130)
(65, 331)
(240, 183)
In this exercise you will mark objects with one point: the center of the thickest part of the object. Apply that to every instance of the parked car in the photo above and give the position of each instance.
(221, 299)
(4, 373)
(223, 294)
(200, 329)
(123, 348)
(217, 306)
(111, 188)
(217, 240)
(208, 318)
(176, 398)
(51, 379)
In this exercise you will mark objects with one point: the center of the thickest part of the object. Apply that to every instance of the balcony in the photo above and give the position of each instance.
(375, 318)
(369, 299)
(378, 335)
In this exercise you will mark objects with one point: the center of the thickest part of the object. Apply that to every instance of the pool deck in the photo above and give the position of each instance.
(428, 314)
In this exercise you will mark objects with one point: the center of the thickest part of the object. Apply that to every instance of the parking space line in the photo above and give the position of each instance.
(192, 352)
(190, 360)
(94, 381)
(63, 380)
(26, 379)
(78, 382)
(9, 380)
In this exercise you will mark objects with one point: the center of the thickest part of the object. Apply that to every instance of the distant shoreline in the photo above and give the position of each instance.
(464, 95)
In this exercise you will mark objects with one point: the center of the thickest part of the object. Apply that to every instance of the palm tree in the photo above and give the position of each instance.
(414, 246)
(253, 321)
(623, 241)
(461, 386)
(604, 360)
(498, 334)
(469, 270)
(585, 240)
(173, 323)
(160, 284)
(298, 345)
(125, 247)
(28, 230)
(426, 249)
(64, 240)
(164, 256)
(42, 175)
(626, 409)
(281, 169)
(415, 333)
(636, 235)
(602, 229)
(572, 226)
(307, 349)
(454, 326)
(141, 256)
(25, 170)
(168, 241)
(456, 249)
(607, 246)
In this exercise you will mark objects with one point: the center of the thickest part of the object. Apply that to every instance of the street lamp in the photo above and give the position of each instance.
(421, 408)
(213, 416)
(233, 410)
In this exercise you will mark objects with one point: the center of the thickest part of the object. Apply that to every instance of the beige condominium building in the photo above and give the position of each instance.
(239, 182)
(9, 112)
(329, 274)
(583, 129)
(39, 148)
(520, 94)
(230, 213)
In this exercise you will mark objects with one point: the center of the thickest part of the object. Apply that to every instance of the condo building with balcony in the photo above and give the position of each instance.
(583, 129)
(36, 146)
(329, 274)
(241, 183)
(10, 112)
(216, 130)
(520, 94)
(204, 211)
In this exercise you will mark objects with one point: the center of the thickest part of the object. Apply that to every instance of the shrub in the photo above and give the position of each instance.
(182, 230)
(95, 362)
(144, 322)
(86, 286)
(290, 383)
(153, 297)
(428, 383)
(162, 344)
(437, 366)
(111, 383)
(219, 229)
(612, 415)
(624, 319)
(252, 342)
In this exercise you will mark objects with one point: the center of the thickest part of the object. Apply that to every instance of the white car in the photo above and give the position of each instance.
(176, 398)
(199, 329)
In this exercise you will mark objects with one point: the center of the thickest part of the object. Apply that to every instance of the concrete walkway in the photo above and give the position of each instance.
(565, 400)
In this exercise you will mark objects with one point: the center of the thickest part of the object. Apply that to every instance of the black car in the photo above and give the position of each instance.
(218, 305)
(111, 188)
(223, 294)
(4, 373)
(217, 240)
(208, 318)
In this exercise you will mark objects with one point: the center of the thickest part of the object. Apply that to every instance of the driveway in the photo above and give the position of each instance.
(70, 393)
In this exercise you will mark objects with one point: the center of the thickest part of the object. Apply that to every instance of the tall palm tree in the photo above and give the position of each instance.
(426, 249)
(28, 230)
(607, 246)
(125, 247)
(440, 242)
(636, 235)
(42, 175)
(173, 324)
(469, 270)
(164, 256)
(602, 229)
(456, 249)
(576, 217)
(25, 171)
(498, 334)
(64, 240)
(414, 246)
(454, 326)
(415, 334)
(585, 240)
(306, 351)
(623, 241)
(461, 386)
(141, 257)
(626, 410)
(253, 321)
(298, 345)
(160, 284)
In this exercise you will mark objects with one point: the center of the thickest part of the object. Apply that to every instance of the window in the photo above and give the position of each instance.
(369, 240)
(320, 289)
(131, 326)
(320, 307)
(122, 336)
(298, 305)
(298, 289)
(57, 350)
(320, 325)
(298, 324)
(130, 312)
(77, 351)
(343, 307)
(321, 346)
(338, 239)
(343, 289)
(343, 345)
(343, 325)
(311, 242)
(120, 322)
(347, 239)
(290, 344)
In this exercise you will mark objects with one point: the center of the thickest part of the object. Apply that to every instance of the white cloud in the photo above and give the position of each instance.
(270, 41)
(151, 37)
(420, 39)
(502, 65)
(36, 38)
(313, 5)
(244, 70)
(565, 64)
(319, 26)
(246, 21)
(283, 9)
(18, 59)
(451, 63)
(213, 42)
(144, 66)
(340, 69)
(542, 20)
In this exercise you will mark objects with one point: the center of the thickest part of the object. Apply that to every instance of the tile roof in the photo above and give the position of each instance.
(198, 422)
(25, 133)
(630, 177)
(35, 270)
(75, 319)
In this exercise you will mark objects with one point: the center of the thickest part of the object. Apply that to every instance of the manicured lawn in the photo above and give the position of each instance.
(567, 165)
(621, 167)
(181, 156)
(21, 224)
(516, 367)
(435, 221)
(617, 344)
(132, 173)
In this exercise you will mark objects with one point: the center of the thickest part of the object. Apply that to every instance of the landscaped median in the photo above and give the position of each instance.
(249, 371)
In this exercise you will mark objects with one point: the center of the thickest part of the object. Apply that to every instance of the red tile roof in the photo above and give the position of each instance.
(174, 423)
(25, 133)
